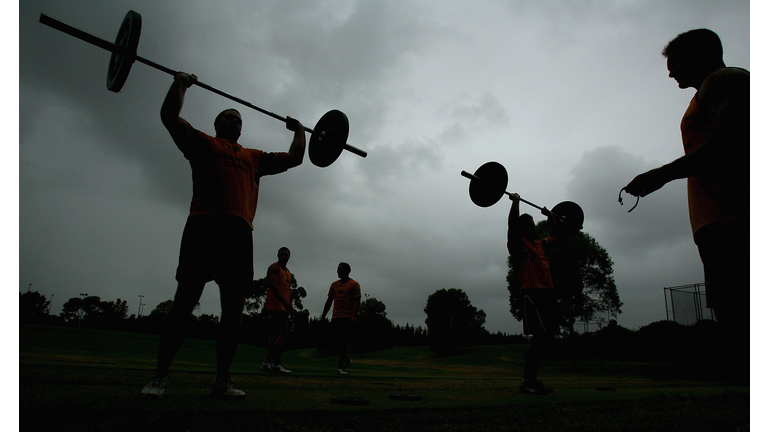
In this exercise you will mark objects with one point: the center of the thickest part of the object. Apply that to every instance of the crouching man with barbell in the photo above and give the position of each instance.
(540, 312)
(217, 243)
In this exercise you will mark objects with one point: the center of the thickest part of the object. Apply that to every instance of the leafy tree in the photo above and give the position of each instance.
(33, 306)
(72, 309)
(452, 321)
(114, 310)
(161, 309)
(375, 329)
(582, 272)
(94, 312)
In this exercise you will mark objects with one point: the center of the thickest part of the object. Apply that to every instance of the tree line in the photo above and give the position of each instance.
(581, 270)
(374, 329)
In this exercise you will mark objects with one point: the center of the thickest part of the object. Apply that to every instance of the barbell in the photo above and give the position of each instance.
(489, 183)
(329, 136)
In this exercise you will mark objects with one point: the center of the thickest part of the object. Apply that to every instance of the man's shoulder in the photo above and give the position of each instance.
(727, 77)
(725, 85)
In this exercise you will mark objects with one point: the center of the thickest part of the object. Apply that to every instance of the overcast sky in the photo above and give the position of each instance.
(571, 97)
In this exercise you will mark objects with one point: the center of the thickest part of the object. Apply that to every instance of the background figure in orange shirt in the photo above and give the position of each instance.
(715, 132)
(345, 296)
(217, 243)
(278, 307)
(540, 311)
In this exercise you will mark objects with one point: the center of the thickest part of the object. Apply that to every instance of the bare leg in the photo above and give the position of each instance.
(275, 352)
(232, 301)
(534, 356)
(175, 323)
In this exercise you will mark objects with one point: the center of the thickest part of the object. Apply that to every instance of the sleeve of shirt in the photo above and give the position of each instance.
(194, 143)
(274, 163)
(356, 291)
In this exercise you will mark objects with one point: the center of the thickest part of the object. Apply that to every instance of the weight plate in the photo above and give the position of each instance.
(128, 39)
(574, 217)
(490, 185)
(328, 139)
(405, 397)
(345, 400)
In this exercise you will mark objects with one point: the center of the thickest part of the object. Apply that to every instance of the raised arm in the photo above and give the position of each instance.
(513, 231)
(299, 141)
(171, 109)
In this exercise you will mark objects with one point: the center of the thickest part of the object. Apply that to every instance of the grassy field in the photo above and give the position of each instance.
(78, 379)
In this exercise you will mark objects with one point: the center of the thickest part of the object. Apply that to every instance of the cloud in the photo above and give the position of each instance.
(660, 219)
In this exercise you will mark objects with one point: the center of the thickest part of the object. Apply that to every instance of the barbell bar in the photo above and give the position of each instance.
(489, 183)
(328, 136)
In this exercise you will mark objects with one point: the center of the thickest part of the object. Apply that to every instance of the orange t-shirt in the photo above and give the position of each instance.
(344, 295)
(716, 195)
(280, 278)
(532, 264)
(225, 175)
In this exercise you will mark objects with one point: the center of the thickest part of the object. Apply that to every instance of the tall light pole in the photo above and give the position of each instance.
(140, 305)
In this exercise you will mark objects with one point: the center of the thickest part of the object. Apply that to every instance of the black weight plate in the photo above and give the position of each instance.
(574, 217)
(490, 185)
(346, 400)
(328, 138)
(128, 39)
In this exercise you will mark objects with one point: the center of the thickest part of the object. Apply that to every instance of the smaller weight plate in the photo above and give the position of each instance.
(574, 217)
(128, 39)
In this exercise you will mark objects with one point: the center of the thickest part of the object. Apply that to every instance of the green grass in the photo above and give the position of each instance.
(78, 379)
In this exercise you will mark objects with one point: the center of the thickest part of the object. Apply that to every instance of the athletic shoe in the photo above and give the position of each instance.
(348, 364)
(266, 366)
(342, 372)
(155, 388)
(279, 369)
(534, 388)
(226, 390)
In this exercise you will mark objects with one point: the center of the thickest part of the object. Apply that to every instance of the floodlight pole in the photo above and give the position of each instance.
(140, 297)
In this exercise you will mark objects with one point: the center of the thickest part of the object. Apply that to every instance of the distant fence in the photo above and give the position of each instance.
(597, 323)
(687, 304)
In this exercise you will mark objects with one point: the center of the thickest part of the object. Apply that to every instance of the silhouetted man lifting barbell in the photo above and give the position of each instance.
(217, 243)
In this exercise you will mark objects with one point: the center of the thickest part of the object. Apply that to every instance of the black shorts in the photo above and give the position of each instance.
(724, 251)
(216, 247)
(540, 312)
